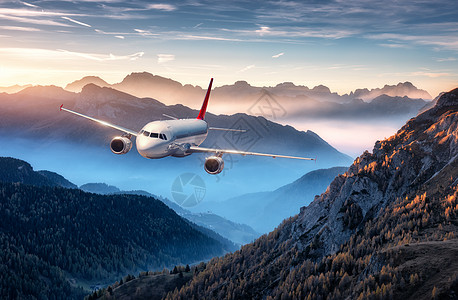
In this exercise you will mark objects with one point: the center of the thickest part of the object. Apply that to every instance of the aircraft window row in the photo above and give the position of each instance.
(161, 136)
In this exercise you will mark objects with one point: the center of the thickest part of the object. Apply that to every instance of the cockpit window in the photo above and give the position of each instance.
(163, 136)
(154, 135)
(145, 133)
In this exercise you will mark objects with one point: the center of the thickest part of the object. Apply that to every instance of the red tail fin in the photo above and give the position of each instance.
(201, 115)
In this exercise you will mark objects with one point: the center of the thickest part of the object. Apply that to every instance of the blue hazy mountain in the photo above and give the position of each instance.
(18, 171)
(239, 234)
(266, 210)
(55, 239)
(100, 188)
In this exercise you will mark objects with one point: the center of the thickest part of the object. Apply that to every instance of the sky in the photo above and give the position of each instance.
(344, 45)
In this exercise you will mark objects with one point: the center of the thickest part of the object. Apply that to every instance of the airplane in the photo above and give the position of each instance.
(175, 137)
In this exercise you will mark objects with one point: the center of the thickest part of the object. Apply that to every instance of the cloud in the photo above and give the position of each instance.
(278, 55)
(76, 22)
(427, 73)
(119, 37)
(295, 32)
(28, 4)
(247, 68)
(162, 6)
(42, 54)
(165, 58)
(39, 17)
(394, 45)
(263, 30)
(445, 59)
(208, 38)
(19, 28)
(32, 20)
(430, 74)
(145, 32)
(442, 41)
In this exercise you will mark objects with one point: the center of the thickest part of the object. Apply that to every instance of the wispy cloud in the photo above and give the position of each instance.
(165, 58)
(247, 68)
(278, 55)
(33, 16)
(162, 6)
(445, 59)
(443, 41)
(390, 45)
(76, 22)
(295, 32)
(145, 32)
(43, 54)
(208, 38)
(19, 28)
(29, 4)
(103, 57)
(426, 73)
(430, 74)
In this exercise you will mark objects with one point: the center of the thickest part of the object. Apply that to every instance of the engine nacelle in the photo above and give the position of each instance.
(120, 145)
(214, 165)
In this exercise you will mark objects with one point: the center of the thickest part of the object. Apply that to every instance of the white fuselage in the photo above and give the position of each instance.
(171, 137)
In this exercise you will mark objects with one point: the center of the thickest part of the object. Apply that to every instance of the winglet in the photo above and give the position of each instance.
(60, 108)
(202, 111)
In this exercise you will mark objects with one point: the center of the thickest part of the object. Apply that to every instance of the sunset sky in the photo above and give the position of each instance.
(341, 44)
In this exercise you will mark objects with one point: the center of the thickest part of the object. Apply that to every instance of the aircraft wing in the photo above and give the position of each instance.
(101, 122)
(221, 151)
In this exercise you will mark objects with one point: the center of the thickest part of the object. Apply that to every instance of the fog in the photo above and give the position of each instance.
(351, 137)
(82, 165)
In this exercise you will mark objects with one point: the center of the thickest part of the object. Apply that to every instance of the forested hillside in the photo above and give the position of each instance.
(54, 239)
(385, 229)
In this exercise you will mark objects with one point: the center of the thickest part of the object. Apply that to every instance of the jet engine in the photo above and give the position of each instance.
(214, 165)
(120, 145)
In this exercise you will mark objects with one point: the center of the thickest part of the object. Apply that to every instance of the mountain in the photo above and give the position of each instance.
(77, 85)
(169, 91)
(57, 179)
(282, 102)
(406, 89)
(18, 171)
(55, 242)
(100, 188)
(385, 229)
(265, 210)
(239, 234)
(14, 88)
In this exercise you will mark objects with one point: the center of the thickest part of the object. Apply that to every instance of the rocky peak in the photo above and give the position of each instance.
(448, 99)
(422, 150)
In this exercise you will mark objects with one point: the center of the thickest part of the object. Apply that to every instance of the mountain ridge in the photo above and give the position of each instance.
(137, 83)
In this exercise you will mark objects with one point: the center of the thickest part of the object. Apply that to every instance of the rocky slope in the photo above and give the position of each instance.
(345, 243)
